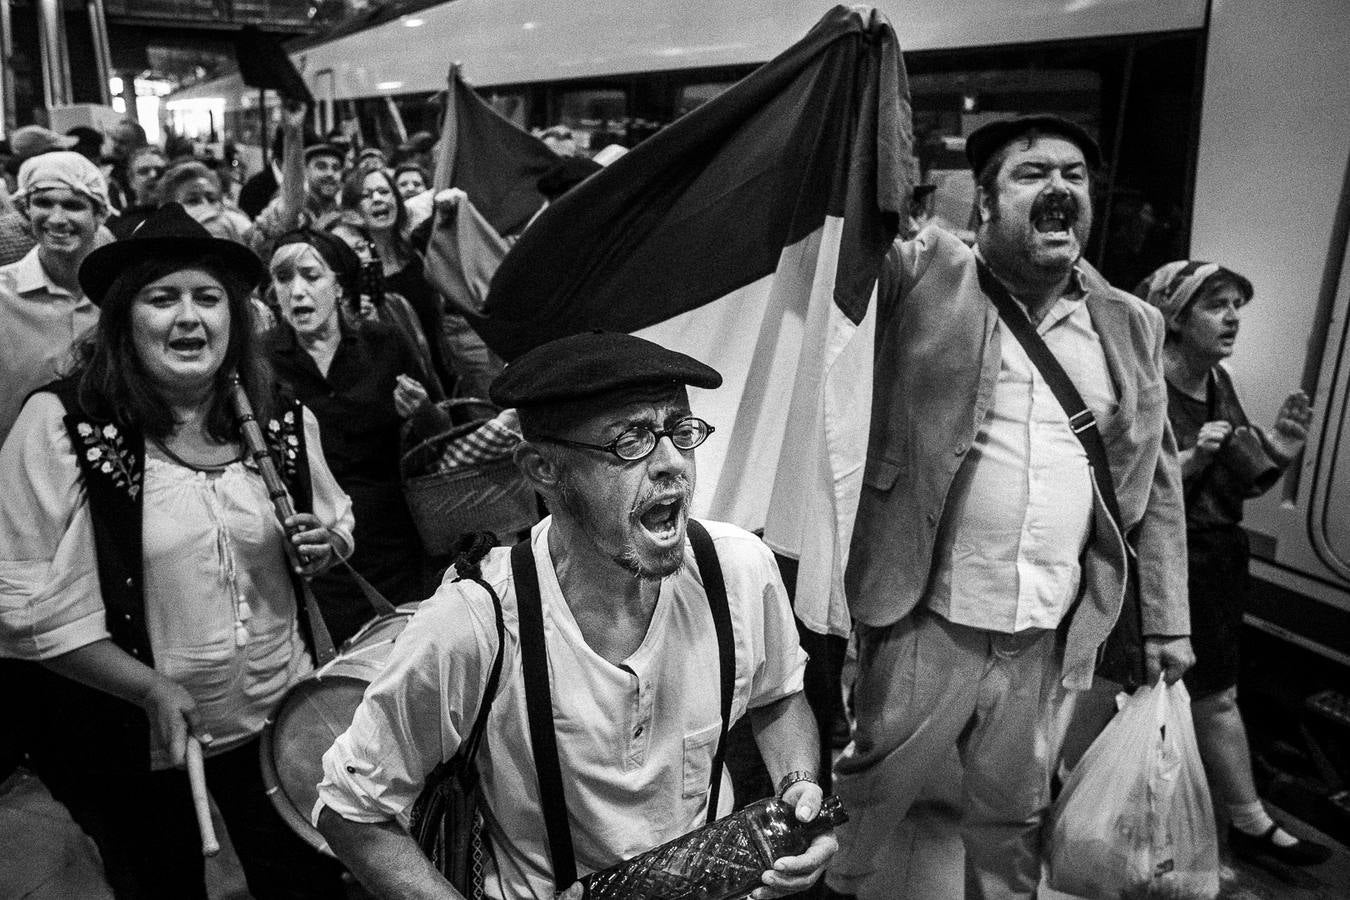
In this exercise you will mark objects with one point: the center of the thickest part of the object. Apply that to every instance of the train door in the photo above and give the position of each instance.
(1270, 203)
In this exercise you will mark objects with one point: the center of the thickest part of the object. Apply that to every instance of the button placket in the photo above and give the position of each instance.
(639, 736)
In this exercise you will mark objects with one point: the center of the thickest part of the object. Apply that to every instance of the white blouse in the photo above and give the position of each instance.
(220, 609)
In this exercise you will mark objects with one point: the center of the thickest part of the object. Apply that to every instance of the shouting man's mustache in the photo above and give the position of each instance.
(1054, 211)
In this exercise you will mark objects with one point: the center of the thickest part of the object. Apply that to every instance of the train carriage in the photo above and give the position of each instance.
(1226, 132)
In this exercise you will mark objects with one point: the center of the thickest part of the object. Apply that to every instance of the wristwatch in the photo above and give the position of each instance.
(792, 778)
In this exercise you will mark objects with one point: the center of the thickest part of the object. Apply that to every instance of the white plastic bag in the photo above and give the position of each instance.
(1134, 819)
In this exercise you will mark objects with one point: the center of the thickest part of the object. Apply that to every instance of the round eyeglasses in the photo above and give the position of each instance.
(638, 442)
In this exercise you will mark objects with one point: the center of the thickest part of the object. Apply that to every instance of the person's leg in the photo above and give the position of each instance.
(277, 864)
(142, 825)
(1006, 754)
(935, 865)
(916, 689)
(824, 665)
(1223, 747)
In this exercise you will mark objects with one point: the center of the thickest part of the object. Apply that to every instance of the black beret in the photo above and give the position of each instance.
(342, 259)
(597, 362)
(987, 140)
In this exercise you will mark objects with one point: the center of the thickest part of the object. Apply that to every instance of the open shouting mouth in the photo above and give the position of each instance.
(188, 346)
(663, 516)
(1054, 214)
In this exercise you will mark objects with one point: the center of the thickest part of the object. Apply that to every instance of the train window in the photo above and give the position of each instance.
(597, 115)
(1137, 96)
(376, 123)
(948, 105)
(418, 112)
(692, 96)
(510, 105)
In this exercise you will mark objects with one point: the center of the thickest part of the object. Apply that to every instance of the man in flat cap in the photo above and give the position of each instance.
(991, 558)
(625, 627)
(311, 179)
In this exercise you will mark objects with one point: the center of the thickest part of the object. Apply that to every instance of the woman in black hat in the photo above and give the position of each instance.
(145, 581)
(357, 376)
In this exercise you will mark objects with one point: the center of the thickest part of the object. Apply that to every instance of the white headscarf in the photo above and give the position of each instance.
(63, 169)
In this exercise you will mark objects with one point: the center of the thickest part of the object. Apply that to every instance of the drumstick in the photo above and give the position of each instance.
(197, 779)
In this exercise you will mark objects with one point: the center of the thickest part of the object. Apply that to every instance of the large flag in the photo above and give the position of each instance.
(749, 234)
(496, 163)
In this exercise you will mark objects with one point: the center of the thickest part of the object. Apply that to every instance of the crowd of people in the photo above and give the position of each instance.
(150, 597)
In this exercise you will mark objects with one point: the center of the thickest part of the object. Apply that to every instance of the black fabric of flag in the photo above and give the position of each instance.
(708, 204)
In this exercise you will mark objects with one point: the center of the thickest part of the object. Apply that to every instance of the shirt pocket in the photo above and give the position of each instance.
(699, 747)
(880, 473)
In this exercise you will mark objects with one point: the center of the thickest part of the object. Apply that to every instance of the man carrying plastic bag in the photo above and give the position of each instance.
(1134, 819)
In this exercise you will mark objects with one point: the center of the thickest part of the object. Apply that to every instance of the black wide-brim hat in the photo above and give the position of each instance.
(168, 234)
(987, 140)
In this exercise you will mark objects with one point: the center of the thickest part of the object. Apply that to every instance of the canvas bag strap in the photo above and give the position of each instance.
(1081, 420)
(1122, 652)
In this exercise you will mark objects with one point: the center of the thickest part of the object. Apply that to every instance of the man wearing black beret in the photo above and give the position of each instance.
(626, 628)
(991, 556)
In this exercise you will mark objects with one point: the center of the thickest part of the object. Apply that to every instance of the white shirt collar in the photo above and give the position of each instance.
(30, 276)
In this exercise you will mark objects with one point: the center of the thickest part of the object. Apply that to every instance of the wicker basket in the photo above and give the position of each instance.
(490, 496)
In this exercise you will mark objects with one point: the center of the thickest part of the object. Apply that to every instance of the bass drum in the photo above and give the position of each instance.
(313, 714)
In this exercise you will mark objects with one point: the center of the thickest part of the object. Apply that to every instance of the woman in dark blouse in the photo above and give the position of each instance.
(373, 200)
(1224, 461)
(354, 376)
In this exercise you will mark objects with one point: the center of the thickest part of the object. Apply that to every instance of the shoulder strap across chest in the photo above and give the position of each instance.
(539, 699)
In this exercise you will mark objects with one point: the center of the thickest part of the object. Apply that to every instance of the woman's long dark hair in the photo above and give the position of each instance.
(113, 383)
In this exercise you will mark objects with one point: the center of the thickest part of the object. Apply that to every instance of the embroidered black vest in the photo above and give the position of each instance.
(70, 724)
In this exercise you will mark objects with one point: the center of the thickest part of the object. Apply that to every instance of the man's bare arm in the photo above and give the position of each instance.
(785, 731)
(385, 859)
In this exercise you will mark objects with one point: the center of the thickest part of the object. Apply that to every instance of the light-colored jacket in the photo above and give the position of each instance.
(937, 361)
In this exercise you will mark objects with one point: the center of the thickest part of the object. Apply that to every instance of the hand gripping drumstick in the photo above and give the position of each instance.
(200, 803)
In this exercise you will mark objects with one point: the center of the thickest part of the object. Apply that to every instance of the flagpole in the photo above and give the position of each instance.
(445, 155)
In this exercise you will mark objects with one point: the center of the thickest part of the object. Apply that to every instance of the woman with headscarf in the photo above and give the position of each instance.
(145, 579)
(355, 375)
(1225, 460)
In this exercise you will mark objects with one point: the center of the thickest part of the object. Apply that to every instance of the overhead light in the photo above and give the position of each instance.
(388, 85)
(530, 26)
(414, 22)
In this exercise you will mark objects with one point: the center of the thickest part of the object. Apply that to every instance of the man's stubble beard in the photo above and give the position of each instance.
(579, 509)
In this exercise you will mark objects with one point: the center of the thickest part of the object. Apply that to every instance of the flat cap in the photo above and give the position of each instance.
(323, 148)
(597, 362)
(987, 140)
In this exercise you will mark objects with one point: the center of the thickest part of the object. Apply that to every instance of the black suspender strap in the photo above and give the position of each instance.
(710, 570)
(539, 708)
(1122, 657)
(1081, 420)
(539, 697)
